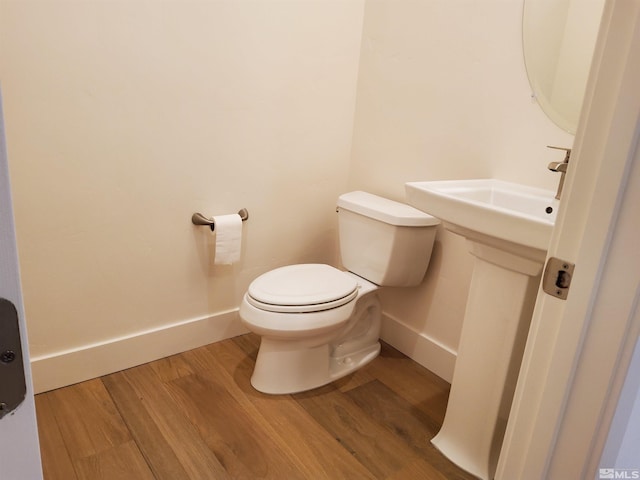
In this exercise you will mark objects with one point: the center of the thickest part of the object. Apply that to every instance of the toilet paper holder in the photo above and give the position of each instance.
(199, 219)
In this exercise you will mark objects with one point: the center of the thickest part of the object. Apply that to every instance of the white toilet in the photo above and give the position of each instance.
(319, 323)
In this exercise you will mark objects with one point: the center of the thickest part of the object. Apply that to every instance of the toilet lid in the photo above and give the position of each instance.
(302, 288)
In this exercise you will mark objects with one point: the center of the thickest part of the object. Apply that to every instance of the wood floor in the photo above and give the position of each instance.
(196, 416)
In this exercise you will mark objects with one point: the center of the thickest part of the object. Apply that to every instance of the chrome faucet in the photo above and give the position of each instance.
(560, 167)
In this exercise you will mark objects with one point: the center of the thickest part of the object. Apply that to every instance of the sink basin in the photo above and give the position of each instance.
(505, 211)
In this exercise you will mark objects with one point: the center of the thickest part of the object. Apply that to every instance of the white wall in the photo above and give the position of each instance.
(124, 118)
(623, 441)
(443, 94)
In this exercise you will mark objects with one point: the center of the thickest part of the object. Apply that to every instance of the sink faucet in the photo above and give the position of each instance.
(560, 167)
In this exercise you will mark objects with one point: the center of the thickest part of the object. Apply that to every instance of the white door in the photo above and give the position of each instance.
(19, 449)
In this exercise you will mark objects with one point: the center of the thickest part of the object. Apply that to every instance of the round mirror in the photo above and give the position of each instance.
(558, 38)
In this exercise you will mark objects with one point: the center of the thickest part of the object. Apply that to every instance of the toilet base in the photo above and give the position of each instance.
(346, 364)
(284, 367)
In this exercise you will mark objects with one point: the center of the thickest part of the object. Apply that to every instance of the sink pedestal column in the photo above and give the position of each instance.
(501, 298)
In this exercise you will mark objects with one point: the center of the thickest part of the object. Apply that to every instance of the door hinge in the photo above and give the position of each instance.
(557, 276)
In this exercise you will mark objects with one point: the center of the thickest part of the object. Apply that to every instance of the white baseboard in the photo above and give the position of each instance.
(421, 348)
(67, 367)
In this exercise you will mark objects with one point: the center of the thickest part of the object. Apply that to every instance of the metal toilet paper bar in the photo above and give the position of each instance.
(199, 219)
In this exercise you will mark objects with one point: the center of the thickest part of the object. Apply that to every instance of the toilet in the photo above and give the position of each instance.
(318, 323)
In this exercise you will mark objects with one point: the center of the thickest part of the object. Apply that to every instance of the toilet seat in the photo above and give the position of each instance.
(304, 288)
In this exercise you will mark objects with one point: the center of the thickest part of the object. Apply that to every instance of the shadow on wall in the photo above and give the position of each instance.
(425, 321)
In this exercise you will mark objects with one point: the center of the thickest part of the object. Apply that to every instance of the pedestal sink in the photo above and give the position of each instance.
(507, 227)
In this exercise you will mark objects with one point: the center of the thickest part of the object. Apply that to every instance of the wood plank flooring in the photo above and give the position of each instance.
(196, 416)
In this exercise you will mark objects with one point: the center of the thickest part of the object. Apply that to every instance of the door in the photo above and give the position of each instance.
(19, 449)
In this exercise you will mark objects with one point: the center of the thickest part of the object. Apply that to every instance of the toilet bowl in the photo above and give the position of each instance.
(325, 330)
(318, 323)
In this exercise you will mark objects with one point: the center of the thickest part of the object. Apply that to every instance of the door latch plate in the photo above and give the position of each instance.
(557, 276)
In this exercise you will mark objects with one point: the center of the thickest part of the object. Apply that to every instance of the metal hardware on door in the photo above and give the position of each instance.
(13, 388)
(7, 356)
(556, 279)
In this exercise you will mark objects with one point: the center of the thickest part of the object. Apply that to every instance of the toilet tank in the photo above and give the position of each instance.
(386, 242)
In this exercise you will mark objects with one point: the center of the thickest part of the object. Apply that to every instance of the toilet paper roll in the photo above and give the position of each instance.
(228, 233)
